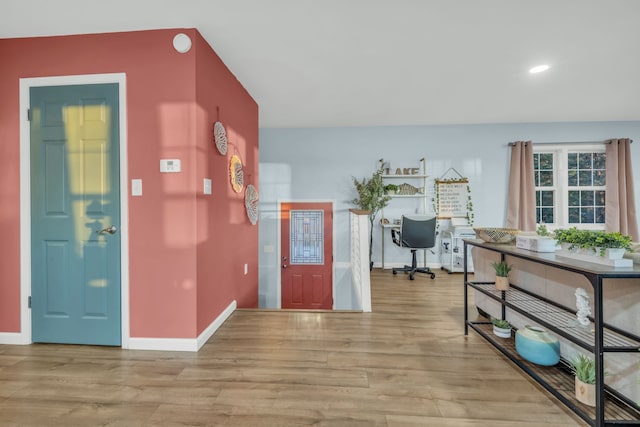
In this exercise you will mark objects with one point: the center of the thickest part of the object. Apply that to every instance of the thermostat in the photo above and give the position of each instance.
(169, 165)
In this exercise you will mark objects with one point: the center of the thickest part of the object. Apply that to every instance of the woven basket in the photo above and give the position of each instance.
(496, 235)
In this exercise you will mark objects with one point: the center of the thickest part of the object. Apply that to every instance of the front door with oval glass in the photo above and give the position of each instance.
(75, 214)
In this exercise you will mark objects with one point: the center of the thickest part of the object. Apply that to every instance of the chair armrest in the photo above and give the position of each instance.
(396, 236)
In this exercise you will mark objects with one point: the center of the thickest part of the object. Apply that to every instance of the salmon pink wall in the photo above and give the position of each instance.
(226, 238)
(162, 114)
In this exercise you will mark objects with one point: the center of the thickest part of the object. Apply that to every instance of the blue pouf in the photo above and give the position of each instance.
(537, 346)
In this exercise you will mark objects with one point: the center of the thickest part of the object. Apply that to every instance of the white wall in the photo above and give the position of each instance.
(318, 164)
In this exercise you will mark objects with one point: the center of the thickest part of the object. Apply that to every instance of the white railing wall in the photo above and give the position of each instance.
(360, 273)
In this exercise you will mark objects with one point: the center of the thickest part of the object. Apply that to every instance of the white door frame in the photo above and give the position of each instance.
(279, 248)
(25, 336)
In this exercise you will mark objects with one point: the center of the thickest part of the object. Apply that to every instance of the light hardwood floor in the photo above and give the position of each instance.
(406, 364)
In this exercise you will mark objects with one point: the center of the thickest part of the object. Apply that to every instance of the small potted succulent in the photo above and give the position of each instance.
(501, 328)
(584, 370)
(502, 275)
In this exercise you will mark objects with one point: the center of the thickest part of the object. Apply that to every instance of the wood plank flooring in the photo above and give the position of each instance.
(406, 364)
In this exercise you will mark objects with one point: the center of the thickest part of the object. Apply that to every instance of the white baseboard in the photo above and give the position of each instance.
(213, 327)
(183, 344)
(13, 338)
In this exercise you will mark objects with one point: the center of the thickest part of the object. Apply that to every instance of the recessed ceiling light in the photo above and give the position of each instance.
(539, 69)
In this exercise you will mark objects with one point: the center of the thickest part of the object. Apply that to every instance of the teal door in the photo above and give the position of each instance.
(75, 214)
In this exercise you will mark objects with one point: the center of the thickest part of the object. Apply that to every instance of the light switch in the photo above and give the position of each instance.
(207, 186)
(136, 187)
(169, 165)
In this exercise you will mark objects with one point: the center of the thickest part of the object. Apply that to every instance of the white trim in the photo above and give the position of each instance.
(13, 338)
(25, 336)
(164, 344)
(279, 248)
(561, 187)
(215, 325)
(183, 344)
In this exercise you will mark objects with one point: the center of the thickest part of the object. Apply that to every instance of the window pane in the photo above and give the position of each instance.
(586, 198)
(587, 215)
(574, 215)
(547, 216)
(599, 160)
(306, 237)
(546, 179)
(572, 161)
(584, 178)
(599, 177)
(547, 198)
(600, 215)
(600, 198)
(536, 161)
(573, 178)
(574, 198)
(546, 161)
(584, 161)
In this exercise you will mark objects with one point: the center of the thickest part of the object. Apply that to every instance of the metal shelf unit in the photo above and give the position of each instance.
(612, 408)
(421, 179)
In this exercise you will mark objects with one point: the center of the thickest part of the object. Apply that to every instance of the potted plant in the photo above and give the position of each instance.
(391, 189)
(372, 197)
(594, 242)
(501, 328)
(584, 370)
(502, 275)
(542, 231)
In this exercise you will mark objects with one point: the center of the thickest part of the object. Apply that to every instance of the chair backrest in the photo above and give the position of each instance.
(418, 232)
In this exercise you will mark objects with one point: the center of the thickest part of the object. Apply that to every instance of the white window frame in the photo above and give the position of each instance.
(560, 175)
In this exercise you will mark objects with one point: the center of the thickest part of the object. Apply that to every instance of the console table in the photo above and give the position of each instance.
(612, 407)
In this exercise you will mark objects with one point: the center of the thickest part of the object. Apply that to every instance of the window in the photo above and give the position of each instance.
(570, 185)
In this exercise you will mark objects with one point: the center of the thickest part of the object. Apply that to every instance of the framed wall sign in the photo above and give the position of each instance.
(453, 197)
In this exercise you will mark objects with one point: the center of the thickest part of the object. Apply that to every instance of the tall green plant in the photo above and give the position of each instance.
(372, 197)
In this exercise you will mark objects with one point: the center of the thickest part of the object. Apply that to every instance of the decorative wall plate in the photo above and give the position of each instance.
(236, 173)
(220, 137)
(251, 203)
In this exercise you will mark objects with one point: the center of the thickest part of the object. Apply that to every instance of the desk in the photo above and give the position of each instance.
(384, 228)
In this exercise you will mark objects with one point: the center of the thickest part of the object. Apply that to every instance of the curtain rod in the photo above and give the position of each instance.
(511, 144)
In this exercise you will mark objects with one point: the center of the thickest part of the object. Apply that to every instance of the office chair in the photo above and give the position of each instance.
(416, 232)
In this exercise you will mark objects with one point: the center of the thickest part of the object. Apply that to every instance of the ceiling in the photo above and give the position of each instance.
(317, 63)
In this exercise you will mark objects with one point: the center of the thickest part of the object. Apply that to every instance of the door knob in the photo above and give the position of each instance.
(284, 265)
(111, 230)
